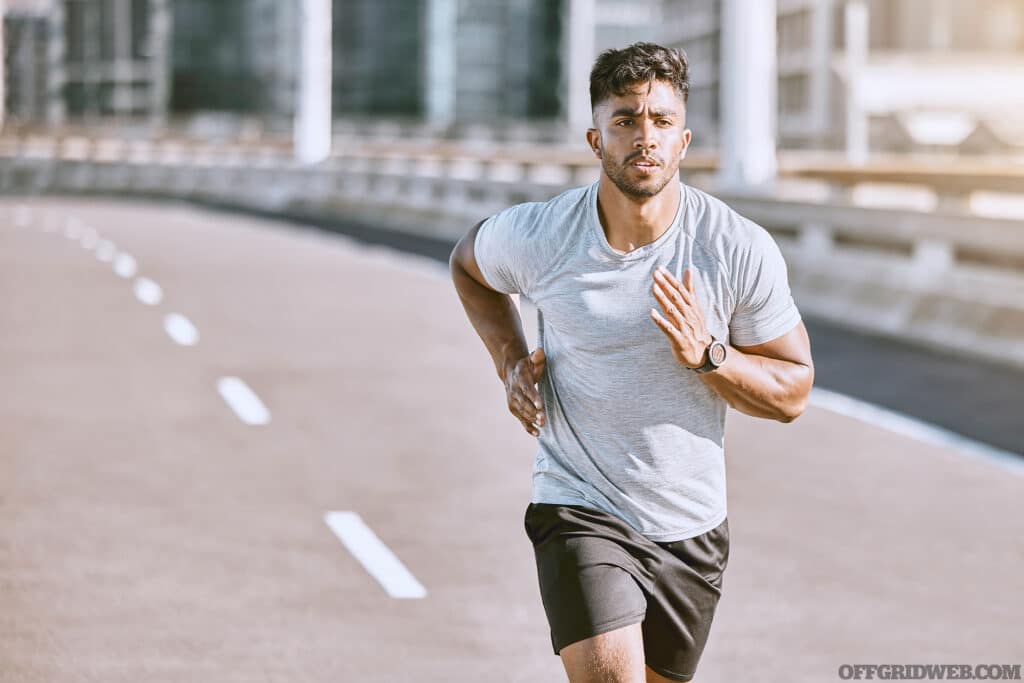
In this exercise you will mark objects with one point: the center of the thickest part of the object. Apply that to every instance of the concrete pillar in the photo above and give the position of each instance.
(56, 72)
(442, 17)
(578, 26)
(748, 93)
(822, 12)
(160, 25)
(3, 65)
(856, 39)
(313, 111)
(122, 72)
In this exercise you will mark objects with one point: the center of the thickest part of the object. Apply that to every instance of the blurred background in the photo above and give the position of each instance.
(881, 141)
(289, 176)
(931, 75)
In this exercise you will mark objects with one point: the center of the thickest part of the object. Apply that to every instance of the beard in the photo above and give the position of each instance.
(637, 188)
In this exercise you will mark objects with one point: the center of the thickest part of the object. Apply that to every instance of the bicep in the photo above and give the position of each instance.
(793, 346)
(464, 257)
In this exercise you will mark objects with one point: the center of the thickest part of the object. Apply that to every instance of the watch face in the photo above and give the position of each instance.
(717, 353)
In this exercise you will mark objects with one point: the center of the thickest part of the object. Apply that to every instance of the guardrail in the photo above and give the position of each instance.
(942, 277)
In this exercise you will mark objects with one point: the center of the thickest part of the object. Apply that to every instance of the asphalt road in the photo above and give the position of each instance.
(148, 533)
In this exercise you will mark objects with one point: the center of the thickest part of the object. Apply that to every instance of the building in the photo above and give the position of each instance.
(918, 74)
(921, 72)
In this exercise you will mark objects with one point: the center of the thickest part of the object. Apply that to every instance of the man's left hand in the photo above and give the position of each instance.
(682, 321)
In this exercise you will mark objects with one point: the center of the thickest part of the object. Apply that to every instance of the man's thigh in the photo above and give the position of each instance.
(612, 657)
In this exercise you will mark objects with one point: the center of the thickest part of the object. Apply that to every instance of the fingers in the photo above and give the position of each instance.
(666, 303)
(524, 399)
(668, 328)
(683, 291)
(527, 413)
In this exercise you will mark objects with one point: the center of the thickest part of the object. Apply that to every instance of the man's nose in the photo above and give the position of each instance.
(645, 138)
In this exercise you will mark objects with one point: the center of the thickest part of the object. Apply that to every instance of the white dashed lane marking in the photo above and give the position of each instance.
(105, 251)
(72, 229)
(22, 216)
(148, 292)
(181, 329)
(124, 265)
(376, 558)
(243, 400)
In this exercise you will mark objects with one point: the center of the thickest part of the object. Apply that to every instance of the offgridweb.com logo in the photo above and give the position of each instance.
(930, 672)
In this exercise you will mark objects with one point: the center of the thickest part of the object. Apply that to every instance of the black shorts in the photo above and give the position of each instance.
(598, 574)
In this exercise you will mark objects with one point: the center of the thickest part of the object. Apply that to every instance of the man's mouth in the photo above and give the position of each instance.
(644, 163)
(644, 166)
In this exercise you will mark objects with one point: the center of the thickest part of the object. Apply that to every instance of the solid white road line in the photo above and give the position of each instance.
(376, 558)
(915, 429)
(181, 329)
(105, 251)
(243, 400)
(148, 292)
(124, 265)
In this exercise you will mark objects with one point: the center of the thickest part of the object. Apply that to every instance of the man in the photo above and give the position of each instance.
(658, 306)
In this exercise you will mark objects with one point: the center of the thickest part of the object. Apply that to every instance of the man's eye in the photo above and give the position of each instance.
(625, 122)
(664, 122)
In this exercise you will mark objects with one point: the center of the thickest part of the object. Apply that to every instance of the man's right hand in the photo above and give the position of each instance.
(521, 390)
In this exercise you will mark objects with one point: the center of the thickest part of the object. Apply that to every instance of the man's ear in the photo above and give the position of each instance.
(686, 143)
(594, 141)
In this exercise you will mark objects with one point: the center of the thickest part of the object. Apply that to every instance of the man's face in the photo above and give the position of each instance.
(640, 138)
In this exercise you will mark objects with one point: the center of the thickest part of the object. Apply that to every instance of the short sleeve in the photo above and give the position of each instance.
(510, 249)
(765, 309)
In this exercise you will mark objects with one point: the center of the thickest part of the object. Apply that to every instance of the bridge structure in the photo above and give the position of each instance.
(913, 248)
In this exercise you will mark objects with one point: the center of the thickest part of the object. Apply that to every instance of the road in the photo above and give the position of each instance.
(148, 533)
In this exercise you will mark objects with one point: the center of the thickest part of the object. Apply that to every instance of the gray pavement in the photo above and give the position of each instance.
(146, 534)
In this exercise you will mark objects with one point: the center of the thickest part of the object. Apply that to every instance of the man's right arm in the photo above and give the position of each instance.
(496, 320)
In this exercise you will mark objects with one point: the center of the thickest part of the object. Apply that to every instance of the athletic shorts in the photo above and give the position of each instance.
(598, 574)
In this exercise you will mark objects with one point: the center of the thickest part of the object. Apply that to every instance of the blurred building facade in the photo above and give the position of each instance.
(86, 59)
(945, 45)
(451, 62)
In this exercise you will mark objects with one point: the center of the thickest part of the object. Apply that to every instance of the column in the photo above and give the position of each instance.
(856, 39)
(3, 65)
(313, 111)
(160, 60)
(748, 93)
(822, 12)
(578, 27)
(56, 72)
(121, 73)
(439, 89)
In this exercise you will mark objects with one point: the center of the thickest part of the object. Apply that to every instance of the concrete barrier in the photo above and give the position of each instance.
(943, 277)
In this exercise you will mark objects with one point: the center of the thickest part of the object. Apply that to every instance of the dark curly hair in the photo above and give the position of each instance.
(616, 72)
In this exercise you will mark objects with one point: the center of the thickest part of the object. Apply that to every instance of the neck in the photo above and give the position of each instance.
(629, 222)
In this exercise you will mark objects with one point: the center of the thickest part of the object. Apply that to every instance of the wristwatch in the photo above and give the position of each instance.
(716, 353)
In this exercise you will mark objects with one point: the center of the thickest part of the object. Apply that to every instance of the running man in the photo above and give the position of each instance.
(658, 307)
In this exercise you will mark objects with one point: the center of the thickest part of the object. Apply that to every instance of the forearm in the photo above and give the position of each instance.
(495, 318)
(761, 386)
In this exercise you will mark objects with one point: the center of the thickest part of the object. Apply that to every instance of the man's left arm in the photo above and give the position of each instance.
(771, 380)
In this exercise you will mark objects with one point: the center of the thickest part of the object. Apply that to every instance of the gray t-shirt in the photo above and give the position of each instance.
(628, 429)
